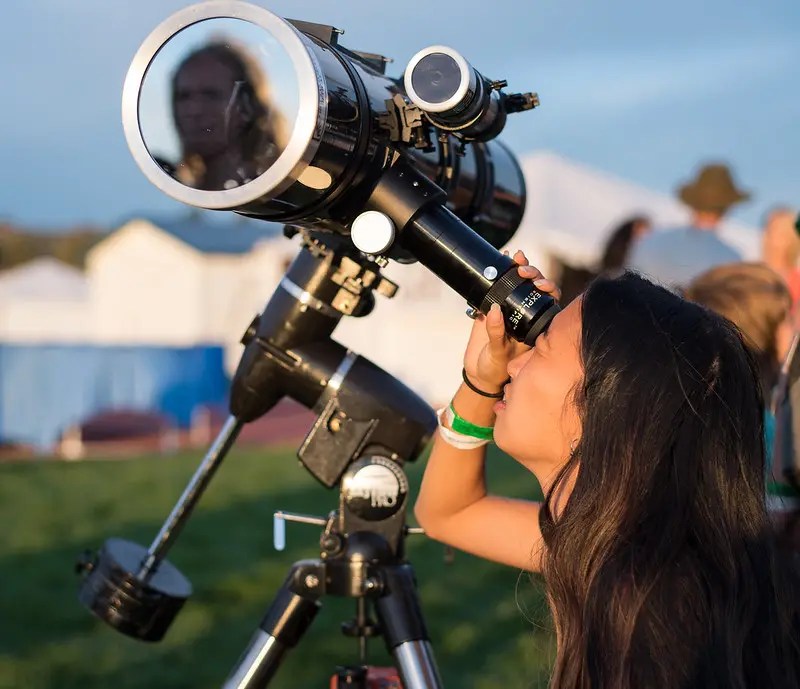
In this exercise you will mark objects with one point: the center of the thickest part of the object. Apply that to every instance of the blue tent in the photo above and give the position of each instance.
(46, 388)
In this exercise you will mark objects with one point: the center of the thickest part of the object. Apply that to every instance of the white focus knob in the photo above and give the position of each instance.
(372, 232)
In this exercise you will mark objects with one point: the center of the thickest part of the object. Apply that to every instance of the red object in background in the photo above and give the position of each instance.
(287, 423)
(123, 424)
(793, 283)
(377, 678)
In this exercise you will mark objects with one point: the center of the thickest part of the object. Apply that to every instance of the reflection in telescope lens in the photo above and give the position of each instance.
(436, 78)
(218, 103)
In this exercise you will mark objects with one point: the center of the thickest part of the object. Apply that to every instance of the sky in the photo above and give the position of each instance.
(645, 90)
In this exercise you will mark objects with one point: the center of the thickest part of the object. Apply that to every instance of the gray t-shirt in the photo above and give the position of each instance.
(675, 257)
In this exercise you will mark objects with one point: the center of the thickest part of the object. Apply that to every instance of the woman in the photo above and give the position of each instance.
(641, 416)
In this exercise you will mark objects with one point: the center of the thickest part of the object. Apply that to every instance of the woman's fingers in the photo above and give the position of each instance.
(520, 258)
(545, 285)
(496, 329)
(530, 272)
(534, 274)
(479, 327)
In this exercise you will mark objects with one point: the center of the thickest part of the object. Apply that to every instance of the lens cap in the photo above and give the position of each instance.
(436, 78)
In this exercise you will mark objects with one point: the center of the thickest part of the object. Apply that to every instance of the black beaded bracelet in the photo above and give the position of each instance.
(495, 395)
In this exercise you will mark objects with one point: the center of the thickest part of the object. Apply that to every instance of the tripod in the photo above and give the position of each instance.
(368, 425)
(361, 558)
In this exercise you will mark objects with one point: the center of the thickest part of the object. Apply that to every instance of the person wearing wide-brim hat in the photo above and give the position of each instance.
(712, 192)
(675, 257)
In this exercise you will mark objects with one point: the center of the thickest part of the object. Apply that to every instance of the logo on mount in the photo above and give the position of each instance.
(374, 488)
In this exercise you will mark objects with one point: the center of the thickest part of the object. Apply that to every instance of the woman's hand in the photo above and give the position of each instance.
(489, 348)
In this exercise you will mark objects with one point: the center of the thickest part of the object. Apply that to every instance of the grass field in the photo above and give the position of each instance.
(488, 623)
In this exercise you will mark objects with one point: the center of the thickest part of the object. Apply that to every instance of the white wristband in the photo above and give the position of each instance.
(456, 440)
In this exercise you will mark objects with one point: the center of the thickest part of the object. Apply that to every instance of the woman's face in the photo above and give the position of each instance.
(537, 421)
(206, 115)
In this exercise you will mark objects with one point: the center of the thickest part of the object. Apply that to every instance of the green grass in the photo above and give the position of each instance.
(488, 623)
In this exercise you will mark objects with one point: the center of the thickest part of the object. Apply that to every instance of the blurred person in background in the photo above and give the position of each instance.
(676, 256)
(780, 247)
(781, 230)
(229, 127)
(757, 301)
(621, 242)
(618, 246)
(640, 414)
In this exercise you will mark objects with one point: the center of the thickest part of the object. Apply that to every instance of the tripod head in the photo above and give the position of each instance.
(289, 352)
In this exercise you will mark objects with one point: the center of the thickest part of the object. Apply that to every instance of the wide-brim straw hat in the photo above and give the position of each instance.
(712, 190)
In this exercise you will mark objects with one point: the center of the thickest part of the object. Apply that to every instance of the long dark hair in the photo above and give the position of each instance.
(661, 568)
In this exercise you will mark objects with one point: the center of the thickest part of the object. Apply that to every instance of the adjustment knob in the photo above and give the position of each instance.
(372, 232)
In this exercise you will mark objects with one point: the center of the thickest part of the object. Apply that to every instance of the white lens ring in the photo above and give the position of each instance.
(302, 143)
(466, 84)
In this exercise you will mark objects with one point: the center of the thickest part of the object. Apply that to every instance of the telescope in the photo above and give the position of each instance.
(227, 106)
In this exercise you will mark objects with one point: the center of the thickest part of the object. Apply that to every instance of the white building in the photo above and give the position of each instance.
(201, 281)
(194, 281)
(44, 300)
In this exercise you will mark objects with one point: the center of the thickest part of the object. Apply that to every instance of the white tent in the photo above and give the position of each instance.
(42, 278)
(572, 209)
(183, 283)
(44, 300)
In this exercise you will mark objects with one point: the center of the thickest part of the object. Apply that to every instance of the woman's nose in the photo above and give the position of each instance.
(516, 364)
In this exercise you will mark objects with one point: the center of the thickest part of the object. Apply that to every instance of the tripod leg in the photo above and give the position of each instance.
(292, 611)
(404, 629)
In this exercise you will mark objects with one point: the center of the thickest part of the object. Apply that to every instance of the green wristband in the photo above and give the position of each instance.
(464, 427)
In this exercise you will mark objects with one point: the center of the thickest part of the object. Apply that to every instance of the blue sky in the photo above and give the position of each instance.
(640, 88)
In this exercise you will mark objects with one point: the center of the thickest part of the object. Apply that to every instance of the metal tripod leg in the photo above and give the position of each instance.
(292, 611)
(404, 631)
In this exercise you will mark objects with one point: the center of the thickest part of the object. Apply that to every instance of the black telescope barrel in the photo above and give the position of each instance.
(456, 254)
(479, 272)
